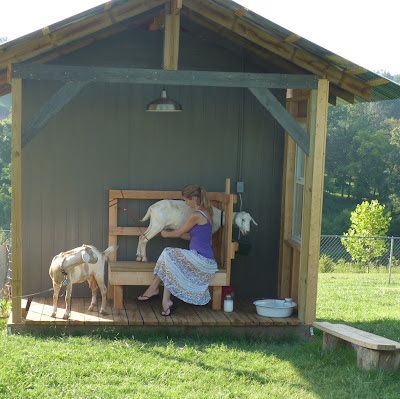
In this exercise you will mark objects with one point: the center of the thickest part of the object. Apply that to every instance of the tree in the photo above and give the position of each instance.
(369, 219)
(371, 164)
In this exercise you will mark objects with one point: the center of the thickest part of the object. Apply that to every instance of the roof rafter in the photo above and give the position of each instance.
(285, 50)
(54, 36)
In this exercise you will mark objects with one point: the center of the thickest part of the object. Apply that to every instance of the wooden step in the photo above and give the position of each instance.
(357, 337)
(141, 273)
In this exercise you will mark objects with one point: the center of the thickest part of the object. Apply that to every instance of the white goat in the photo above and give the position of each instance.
(172, 214)
(84, 263)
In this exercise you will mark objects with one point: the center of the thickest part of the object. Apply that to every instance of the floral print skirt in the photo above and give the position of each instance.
(186, 274)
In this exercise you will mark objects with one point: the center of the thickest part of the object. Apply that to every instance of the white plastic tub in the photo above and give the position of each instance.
(274, 307)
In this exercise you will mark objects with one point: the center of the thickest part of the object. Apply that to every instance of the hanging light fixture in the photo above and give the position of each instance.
(164, 104)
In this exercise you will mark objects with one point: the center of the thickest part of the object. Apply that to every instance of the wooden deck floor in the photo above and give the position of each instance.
(148, 314)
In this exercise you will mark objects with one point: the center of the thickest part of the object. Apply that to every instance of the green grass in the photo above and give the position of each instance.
(111, 365)
(364, 300)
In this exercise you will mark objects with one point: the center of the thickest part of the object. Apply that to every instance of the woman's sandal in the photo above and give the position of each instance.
(168, 311)
(146, 298)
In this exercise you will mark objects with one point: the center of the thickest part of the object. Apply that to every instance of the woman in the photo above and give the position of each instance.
(187, 273)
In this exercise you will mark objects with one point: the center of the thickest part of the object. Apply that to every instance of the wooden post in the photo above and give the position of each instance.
(297, 105)
(285, 251)
(171, 35)
(226, 245)
(112, 238)
(16, 202)
(312, 205)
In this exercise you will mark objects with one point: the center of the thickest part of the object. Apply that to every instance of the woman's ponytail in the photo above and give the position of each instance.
(205, 202)
(193, 190)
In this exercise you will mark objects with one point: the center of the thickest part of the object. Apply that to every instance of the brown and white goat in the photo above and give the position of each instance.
(84, 263)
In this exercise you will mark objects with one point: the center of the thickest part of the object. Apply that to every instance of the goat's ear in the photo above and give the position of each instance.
(254, 221)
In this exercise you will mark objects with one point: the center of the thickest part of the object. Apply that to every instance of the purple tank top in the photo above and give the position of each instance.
(200, 238)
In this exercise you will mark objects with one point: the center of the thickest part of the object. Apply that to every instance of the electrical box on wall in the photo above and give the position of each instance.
(240, 187)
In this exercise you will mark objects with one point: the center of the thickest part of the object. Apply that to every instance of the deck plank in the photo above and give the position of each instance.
(120, 317)
(133, 313)
(204, 313)
(77, 316)
(48, 310)
(105, 319)
(91, 318)
(147, 313)
(235, 318)
(245, 315)
(35, 311)
(192, 318)
(220, 318)
(179, 317)
(162, 320)
(98, 319)
(81, 308)
(250, 309)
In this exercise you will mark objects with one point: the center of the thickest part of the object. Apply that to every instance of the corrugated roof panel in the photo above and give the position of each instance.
(359, 77)
(391, 90)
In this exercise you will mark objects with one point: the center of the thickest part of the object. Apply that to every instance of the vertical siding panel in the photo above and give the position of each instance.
(104, 139)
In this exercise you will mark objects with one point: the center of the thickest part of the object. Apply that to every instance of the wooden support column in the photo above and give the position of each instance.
(16, 202)
(286, 213)
(312, 206)
(296, 105)
(171, 34)
(113, 240)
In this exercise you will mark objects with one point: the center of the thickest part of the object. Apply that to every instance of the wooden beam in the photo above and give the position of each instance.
(50, 109)
(343, 94)
(269, 101)
(16, 201)
(171, 36)
(312, 205)
(157, 76)
(263, 55)
(286, 251)
(176, 6)
(249, 29)
(377, 82)
(260, 55)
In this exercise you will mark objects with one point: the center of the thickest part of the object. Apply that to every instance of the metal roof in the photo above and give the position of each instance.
(382, 88)
(343, 74)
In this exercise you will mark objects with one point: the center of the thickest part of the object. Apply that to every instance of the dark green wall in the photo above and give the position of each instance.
(104, 139)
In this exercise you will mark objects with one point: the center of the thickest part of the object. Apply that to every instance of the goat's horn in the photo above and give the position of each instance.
(254, 221)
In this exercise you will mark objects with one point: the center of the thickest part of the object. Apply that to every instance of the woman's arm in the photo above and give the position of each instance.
(185, 236)
(192, 221)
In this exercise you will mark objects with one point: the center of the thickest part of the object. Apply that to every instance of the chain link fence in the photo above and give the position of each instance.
(337, 253)
(359, 253)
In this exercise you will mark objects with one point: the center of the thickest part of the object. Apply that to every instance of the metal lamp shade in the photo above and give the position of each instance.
(164, 104)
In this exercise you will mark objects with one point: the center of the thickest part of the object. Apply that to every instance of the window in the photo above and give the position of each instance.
(298, 194)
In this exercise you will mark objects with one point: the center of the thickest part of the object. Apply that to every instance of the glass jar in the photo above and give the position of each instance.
(228, 304)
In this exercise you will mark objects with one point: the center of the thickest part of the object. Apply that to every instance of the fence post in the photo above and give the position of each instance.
(390, 259)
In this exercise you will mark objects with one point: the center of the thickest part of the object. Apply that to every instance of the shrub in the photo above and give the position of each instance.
(5, 307)
(326, 264)
(368, 219)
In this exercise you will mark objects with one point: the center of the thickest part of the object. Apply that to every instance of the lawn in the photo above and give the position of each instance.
(109, 365)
